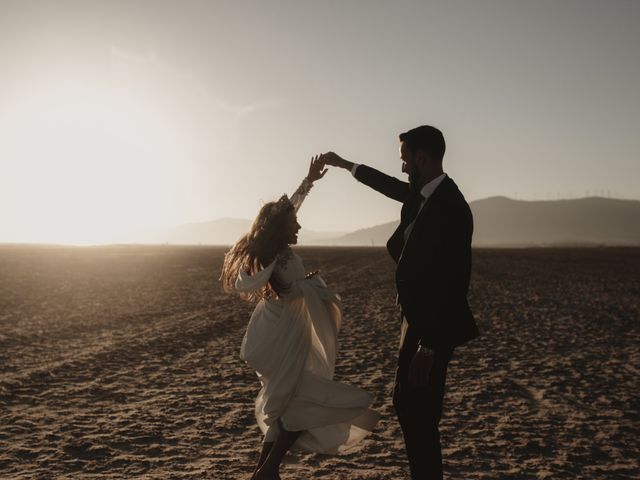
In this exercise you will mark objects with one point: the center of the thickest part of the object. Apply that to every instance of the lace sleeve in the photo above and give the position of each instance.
(300, 194)
(251, 283)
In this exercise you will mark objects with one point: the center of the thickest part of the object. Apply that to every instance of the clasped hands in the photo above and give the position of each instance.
(317, 167)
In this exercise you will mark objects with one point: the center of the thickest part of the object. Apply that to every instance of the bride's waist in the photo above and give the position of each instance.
(302, 287)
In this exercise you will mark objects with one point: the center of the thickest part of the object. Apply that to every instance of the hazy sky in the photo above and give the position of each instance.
(119, 116)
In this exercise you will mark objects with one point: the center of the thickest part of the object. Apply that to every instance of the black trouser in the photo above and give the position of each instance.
(419, 410)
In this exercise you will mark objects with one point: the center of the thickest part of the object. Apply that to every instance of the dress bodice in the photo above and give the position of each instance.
(288, 271)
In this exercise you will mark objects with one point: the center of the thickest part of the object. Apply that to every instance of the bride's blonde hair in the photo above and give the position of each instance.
(258, 248)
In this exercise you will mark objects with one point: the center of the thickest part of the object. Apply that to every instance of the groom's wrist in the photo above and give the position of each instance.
(348, 165)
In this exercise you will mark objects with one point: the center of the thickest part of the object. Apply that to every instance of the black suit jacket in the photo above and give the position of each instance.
(434, 267)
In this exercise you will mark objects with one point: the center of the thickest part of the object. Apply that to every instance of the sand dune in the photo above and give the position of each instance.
(122, 362)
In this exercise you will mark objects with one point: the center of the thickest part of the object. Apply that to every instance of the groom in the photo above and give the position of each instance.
(432, 250)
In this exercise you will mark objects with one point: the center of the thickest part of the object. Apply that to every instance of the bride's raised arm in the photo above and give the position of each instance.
(316, 172)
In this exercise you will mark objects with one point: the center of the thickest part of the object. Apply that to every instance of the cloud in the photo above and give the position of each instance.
(120, 58)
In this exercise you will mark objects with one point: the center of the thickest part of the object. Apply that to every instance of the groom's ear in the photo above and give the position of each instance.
(420, 157)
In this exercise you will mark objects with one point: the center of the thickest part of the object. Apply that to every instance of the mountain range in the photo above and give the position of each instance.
(498, 222)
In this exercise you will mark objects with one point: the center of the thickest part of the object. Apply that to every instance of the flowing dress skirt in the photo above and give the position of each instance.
(292, 344)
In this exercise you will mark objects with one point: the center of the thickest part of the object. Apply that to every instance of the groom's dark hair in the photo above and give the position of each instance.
(426, 138)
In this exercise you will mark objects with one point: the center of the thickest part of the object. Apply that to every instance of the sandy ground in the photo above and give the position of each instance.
(122, 362)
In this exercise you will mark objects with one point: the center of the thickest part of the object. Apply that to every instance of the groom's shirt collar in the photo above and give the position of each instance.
(430, 187)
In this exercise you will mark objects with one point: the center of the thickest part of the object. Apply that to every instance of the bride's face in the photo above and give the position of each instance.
(292, 227)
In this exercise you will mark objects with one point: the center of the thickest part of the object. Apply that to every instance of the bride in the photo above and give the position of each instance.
(291, 340)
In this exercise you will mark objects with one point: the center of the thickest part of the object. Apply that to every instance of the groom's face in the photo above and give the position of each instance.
(409, 163)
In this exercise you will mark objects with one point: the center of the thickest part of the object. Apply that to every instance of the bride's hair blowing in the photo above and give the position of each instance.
(258, 248)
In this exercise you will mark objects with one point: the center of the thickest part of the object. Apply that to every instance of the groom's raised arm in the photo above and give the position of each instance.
(385, 184)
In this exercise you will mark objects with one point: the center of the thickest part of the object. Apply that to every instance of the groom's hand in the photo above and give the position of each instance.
(335, 160)
(420, 367)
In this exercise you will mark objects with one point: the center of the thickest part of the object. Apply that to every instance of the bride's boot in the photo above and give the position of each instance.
(271, 466)
(266, 448)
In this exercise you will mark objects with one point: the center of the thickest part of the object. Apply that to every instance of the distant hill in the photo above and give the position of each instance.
(499, 221)
(584, 221)
(225, 231)
(373, 236)
(221, 232)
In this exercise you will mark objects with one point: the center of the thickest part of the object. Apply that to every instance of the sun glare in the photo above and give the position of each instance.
(85, 164)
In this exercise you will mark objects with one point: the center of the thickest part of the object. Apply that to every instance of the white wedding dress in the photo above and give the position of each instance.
(292, 342)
